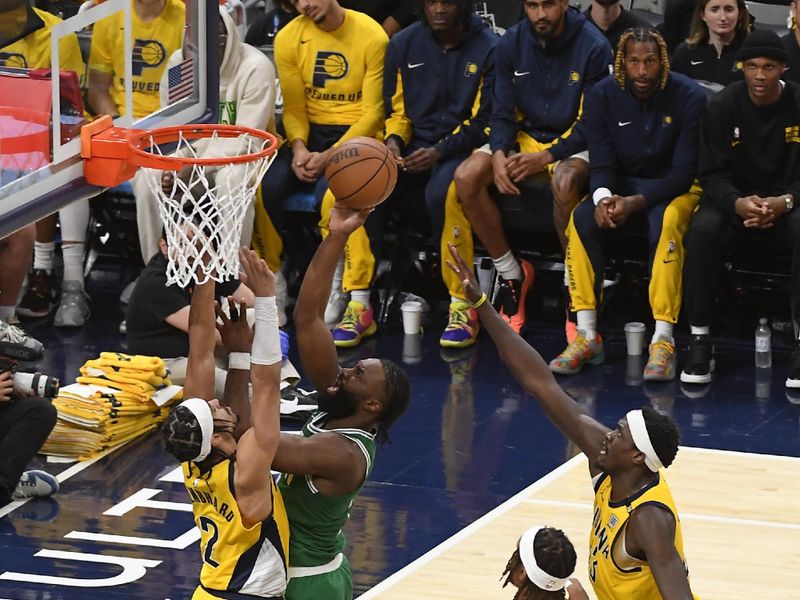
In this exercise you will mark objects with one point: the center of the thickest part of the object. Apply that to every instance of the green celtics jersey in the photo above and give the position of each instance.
(316, 521)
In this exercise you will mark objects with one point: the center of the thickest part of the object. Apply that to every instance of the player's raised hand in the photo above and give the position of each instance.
(465, 273)
(257, 275)
(345, 220)
(236, 333)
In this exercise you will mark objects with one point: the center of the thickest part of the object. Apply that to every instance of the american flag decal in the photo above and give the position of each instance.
(181, 80)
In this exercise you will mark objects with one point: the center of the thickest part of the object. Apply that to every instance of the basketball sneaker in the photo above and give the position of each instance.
(577, 354)
(298, 404)
(661, 362)
(357, 323)
(462, 326)
(16, 343)
(34, 484)
(699, 366)
(73, 310)
(41, 297)
(793, 380)
(511, 296)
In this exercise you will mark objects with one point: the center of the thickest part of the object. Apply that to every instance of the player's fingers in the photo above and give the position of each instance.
(233, 309)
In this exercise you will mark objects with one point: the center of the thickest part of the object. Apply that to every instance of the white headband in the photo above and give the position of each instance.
(202, 412)
(538, 577)
(641, 440)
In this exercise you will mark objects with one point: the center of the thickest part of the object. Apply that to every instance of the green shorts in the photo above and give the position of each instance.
(336, 585)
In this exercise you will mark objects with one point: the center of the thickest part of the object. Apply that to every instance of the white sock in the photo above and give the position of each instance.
(43, 255)
(566, 277)
(663, 330)
(360, 296)
(700, 329)
(453, 300)
(7, 313)
(587, 323)
(73, 262)
(507, 266)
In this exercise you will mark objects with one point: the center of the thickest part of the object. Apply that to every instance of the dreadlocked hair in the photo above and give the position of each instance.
(646, 35)
(398, 394)
(554, 553)
(698, 31)
(664, 434)
(181, 434)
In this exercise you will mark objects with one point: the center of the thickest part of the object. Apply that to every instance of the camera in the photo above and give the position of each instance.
(27, 383)
(41, 385)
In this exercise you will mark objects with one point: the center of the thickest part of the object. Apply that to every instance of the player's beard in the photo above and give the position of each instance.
(338, 405)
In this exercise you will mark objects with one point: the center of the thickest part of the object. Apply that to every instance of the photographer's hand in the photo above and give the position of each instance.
(6, 386)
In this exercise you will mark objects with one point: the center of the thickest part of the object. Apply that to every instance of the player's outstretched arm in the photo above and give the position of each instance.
(530, 370)
(317, 351)
(651, 533)
(257, 446)
(237, 339)
(202, 340)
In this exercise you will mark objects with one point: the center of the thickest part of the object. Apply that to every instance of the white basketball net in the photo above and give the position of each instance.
(204, 208)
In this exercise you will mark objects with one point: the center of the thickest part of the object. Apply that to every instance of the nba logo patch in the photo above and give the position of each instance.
(574, 77)
(471, 69)
(612, 522)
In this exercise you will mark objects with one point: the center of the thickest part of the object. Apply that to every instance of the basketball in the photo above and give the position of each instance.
(361, 173)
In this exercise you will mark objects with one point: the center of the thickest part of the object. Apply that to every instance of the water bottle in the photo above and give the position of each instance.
(763, 345)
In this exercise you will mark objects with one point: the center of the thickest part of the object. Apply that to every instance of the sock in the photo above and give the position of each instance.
(663, 330)
(507, 266)
(73, 262)
(453, 300)
(43, 255)
(587, 323)
(700, 330)
(360, 296)
(7, 313)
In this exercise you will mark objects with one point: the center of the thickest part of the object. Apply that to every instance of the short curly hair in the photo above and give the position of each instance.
(664, 434)
(181, 434)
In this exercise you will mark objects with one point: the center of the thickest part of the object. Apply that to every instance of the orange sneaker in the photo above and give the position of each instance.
(577, 354)
(512, 295)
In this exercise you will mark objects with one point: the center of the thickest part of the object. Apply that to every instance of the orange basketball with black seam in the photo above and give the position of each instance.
(361, 173)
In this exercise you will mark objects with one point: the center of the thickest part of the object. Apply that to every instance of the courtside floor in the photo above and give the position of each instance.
(740, 521)
(469, 443)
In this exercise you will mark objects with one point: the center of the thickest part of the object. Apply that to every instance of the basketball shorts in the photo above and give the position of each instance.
(335, 585)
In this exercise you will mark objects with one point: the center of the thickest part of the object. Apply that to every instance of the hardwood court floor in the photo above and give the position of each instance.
(739, 514)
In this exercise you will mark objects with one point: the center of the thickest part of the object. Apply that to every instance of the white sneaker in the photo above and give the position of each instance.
(34, 484)
(281, 297)
(16, 343)
(73, 310)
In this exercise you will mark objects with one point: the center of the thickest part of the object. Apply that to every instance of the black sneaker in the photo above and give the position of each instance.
(41, 297)
(793, 380)
(699, 364)
(297, 403)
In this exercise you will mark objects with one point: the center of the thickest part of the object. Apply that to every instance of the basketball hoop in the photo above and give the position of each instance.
(24, 131)
(204, 205)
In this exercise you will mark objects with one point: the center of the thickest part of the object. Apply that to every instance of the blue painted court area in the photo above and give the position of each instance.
(470, 440)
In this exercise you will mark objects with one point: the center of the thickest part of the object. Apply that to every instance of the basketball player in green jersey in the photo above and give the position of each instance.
(236, 505)
(325, 467)
(636, 544)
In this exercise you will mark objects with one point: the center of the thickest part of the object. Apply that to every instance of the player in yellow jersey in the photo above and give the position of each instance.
(636, 545)
(157, 31)
(236, 505)
(330, 68)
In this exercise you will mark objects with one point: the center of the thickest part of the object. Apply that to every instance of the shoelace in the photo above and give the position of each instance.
(661, 352)
(458, 319)
(349, 320)
(576, 347)
(11, 333)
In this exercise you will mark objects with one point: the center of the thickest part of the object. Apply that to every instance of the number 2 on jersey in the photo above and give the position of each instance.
(206, 524)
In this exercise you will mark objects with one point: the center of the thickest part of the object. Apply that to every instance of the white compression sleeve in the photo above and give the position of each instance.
(266, 341)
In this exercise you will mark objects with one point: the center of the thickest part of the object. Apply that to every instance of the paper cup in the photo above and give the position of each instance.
(634, 337)
(412, 317)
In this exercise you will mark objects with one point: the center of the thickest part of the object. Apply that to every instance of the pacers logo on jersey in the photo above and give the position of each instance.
(329, 65)
(147, 54)
(574, 78)
(471, 69)
(14, 60)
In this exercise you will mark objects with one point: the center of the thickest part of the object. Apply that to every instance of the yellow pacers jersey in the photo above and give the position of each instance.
(331, 77)
(152, 44)
(616, 575)
(236, 559)
(31, 49)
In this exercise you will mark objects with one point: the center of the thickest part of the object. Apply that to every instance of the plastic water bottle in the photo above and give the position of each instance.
(763, 345)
